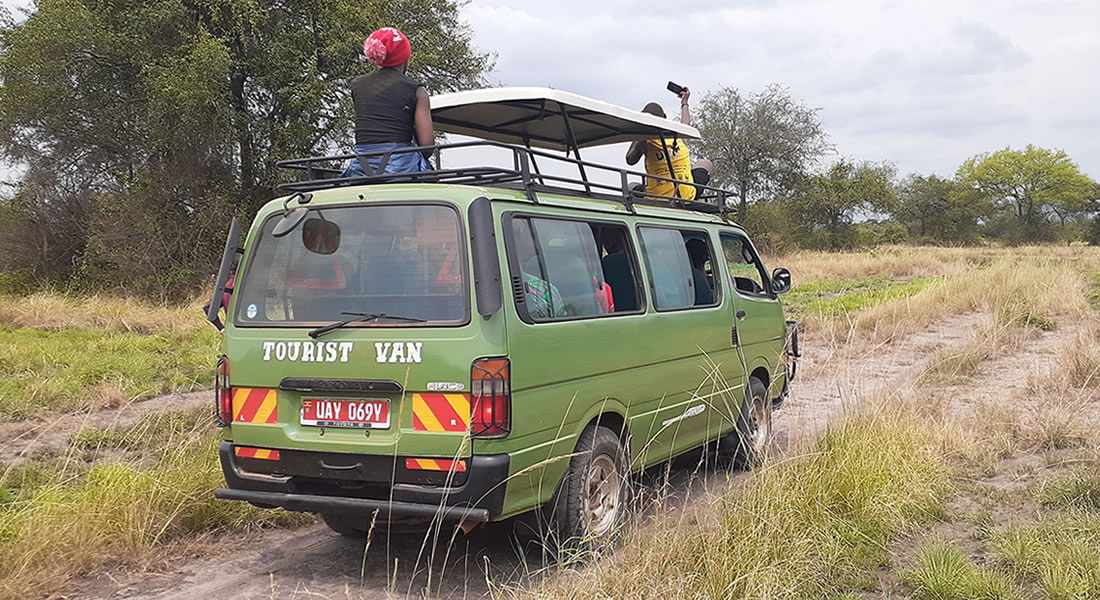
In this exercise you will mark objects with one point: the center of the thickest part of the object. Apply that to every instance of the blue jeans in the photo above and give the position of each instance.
(406, 162)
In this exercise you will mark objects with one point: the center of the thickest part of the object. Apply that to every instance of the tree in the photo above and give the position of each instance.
(1033, 184)
(761, 145)
(932, 209)
(826, 205)
(173, 113)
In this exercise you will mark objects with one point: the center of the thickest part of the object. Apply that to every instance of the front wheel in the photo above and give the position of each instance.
(749, 443)
(593, 495)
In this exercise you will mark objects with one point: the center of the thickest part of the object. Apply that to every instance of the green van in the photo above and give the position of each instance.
(469, 344)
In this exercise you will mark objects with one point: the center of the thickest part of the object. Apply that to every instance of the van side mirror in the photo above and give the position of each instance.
(781, 281)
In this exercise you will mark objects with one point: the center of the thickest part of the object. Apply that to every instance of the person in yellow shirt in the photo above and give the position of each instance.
(656, 162)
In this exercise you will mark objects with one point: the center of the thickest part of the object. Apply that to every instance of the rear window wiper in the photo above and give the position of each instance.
(358, 317)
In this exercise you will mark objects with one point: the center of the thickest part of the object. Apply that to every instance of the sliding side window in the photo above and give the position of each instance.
(566, 269)
(680, 268)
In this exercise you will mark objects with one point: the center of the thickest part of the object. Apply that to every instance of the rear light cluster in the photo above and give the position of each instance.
(223, 395)
(490, 397)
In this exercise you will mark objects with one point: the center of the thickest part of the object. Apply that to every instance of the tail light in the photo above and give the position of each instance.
(490, 397)
(223, 395)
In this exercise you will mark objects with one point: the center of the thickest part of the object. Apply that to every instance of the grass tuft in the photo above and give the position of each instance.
(943, 573)
(1078, 490)
(1061, 555)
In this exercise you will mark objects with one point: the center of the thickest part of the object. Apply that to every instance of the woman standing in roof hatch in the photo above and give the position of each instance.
(390, 109)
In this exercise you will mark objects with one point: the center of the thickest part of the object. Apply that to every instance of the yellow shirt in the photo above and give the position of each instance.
(655, 164)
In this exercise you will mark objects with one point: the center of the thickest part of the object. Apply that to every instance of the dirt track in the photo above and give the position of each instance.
(311, 562)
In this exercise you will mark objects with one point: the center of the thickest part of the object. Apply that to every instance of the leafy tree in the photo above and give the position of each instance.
(174, 112)
(1032, 184)
(932, 209)
(827, 205)
(761, 144)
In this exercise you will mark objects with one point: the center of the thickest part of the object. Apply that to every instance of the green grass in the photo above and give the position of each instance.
(1077, 490)
(75, 368)
(61, 516)
(154, 432)
(943, 573)
(1094, 289)
(813, 526)
(830, 297)
(1061, 554)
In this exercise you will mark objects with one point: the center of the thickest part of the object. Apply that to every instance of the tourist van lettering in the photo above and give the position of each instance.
(308, 351)
(397, 352)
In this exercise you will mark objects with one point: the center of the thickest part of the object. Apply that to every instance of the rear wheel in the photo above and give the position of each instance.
(593, 496)
(347, 526)
(749, 444)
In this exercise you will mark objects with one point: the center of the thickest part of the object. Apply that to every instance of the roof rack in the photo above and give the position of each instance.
(323, 172)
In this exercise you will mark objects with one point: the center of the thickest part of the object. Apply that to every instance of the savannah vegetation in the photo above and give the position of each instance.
(839, 512)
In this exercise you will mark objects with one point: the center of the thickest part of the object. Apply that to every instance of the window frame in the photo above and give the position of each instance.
(507, 219)
(464, 253)
(760, 268)
(710, 247)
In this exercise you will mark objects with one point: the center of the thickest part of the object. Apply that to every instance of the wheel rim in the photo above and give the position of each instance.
(761, 424)
(603, 488)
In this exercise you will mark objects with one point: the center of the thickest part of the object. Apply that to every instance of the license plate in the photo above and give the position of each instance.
(359, 414)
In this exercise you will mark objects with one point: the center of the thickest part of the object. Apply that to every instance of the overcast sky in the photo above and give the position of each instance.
(924, 84)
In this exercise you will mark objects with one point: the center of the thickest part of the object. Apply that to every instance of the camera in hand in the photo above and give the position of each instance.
(675, 89)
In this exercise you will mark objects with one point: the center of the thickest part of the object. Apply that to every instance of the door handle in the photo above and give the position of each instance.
(740, 315)
(325, 465)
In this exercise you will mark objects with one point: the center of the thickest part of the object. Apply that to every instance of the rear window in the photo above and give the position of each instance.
(399, 260)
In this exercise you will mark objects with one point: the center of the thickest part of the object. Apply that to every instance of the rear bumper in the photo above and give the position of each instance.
(477, 496)
(353, 506)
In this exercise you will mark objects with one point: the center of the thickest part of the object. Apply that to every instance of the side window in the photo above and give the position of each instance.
(745, 269)
(573, 269)
(680, 270)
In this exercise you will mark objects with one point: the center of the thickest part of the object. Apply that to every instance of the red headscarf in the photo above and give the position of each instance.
(387, 47)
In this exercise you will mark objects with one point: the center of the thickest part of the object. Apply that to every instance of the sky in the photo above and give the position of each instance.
(922, 84)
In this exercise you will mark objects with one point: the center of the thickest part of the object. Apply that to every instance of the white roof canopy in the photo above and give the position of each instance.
(547, 118)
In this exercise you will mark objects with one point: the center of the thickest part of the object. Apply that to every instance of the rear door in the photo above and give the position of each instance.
(395, 382)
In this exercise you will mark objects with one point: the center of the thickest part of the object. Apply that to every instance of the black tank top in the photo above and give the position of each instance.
(385, 102)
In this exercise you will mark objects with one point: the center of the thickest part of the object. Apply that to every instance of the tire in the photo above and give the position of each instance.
(593, 496)
(347, 526)
(749, 443)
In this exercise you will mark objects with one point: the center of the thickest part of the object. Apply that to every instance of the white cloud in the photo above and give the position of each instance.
(924, 84)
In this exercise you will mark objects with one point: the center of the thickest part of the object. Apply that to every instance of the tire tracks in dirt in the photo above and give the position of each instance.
(21, 439)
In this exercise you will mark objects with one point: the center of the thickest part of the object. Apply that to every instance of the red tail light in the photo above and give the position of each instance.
(490, 397)
(223, 394)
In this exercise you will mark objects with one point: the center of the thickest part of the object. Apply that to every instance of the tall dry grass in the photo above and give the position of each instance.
(51, 311)
(61, 518)
(906, 262)
(1013, 291)
(808, 525)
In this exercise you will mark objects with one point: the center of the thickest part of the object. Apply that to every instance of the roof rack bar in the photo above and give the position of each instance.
(525, 173)
(321, 176)
(576, 149)
(625, 185)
